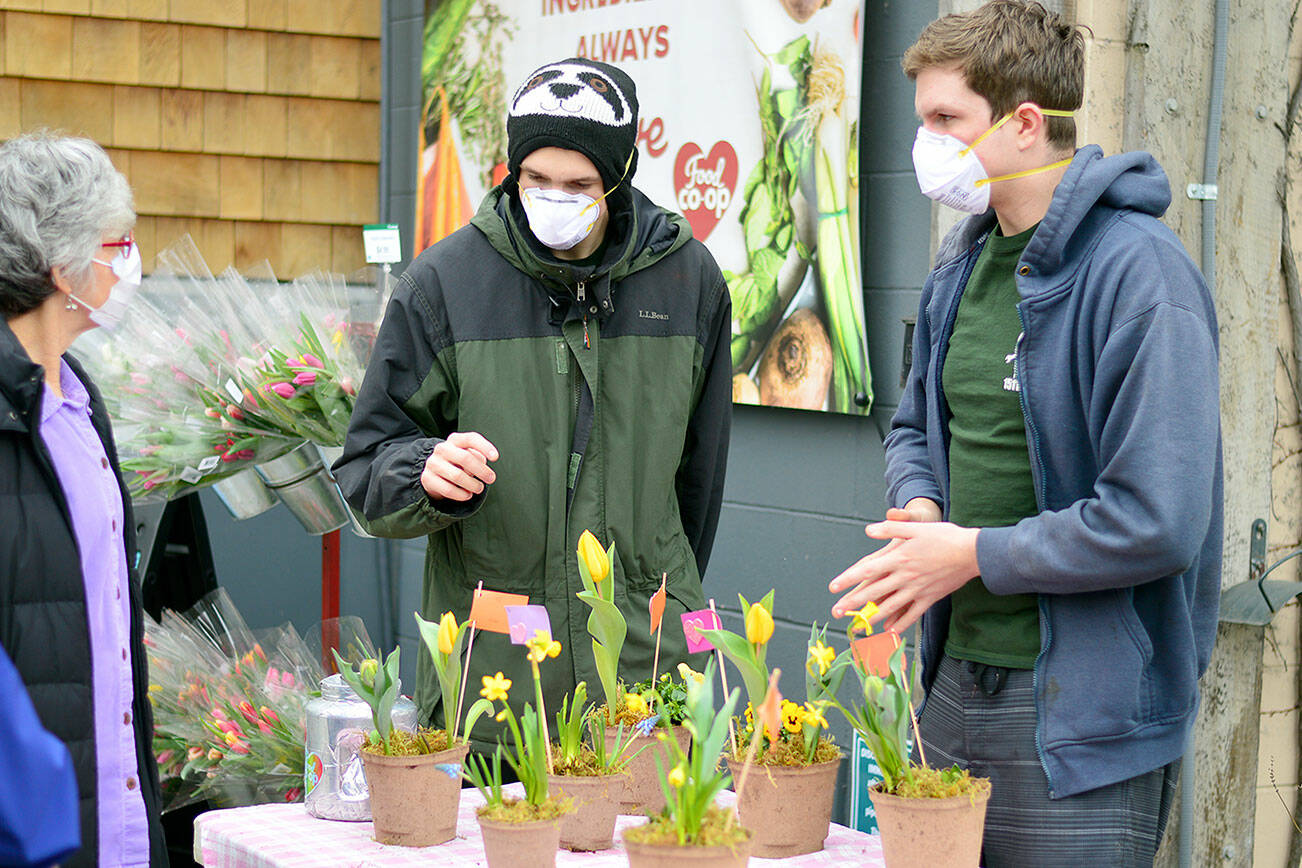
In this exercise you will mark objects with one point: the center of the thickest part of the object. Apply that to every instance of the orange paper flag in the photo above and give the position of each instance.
(769, 714)
(657, 605)
(488, 610)
(874, 652)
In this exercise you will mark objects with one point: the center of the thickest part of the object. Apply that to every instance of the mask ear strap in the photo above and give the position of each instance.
(627, 163)
(1057, 113)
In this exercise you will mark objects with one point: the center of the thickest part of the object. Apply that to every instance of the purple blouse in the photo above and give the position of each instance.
(95, 504)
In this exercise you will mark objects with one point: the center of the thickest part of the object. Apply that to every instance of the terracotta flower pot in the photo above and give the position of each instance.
(642, 855)
(414, 799)
(921, 833)
(789, 808)
(591, 825)
(531, 844)
(643, 793)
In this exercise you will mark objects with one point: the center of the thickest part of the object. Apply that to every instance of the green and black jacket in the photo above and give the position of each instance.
(607, 392)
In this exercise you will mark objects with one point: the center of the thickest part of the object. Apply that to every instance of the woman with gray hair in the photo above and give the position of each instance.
(70, 613)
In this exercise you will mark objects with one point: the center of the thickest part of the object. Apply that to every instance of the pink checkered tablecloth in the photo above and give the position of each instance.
(271, 836)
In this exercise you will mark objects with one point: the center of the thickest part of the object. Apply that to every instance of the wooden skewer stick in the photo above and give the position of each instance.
(465, 672)
(723, 679)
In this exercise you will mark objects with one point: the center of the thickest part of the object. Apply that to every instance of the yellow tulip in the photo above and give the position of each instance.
(370, 666)
(447, 633)
(594, 557)
(759, 625)
(495, 687)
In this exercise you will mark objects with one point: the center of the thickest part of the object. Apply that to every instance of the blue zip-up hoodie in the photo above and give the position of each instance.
(1117, 363)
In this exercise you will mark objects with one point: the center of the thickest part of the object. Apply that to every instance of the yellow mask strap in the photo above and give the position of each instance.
(627, 163)
(1024, 172)
(1056, 113)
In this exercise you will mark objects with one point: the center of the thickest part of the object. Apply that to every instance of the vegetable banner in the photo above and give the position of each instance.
(749, 127)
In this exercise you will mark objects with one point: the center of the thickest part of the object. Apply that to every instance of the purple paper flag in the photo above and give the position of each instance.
(701, 620)
(523, 622)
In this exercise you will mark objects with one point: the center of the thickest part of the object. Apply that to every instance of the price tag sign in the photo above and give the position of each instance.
(382, 243)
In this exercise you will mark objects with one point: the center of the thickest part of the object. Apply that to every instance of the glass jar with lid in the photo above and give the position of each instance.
(338, 721)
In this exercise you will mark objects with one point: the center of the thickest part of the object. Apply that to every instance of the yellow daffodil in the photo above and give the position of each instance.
(541, 646)
(447, 632)
(495, 687)
(677, 777)
(822, 656)
(690, 675)
(594, 557)
(759, 625)
(861, 617)
(501, 715)
(814, 715)
(636, 704)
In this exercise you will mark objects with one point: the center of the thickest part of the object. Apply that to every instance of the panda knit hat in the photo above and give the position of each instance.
(580, 105)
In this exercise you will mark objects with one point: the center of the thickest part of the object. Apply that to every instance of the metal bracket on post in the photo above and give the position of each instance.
(1257, 600)
(1206, 192)
(1257, 550)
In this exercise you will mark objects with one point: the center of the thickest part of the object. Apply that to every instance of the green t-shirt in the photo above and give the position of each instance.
(989, 466)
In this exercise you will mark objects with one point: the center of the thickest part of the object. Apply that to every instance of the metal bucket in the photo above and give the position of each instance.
(331, 454)
(244, 495)
(305, 486)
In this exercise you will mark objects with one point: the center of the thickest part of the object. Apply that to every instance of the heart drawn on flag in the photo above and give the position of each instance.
(704, 184)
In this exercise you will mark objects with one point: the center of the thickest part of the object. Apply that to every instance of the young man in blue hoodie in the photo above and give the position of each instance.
(1054, 466)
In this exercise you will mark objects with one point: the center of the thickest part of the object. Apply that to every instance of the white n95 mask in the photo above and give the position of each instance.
(949, 171)
(558, 219)
(127, 267)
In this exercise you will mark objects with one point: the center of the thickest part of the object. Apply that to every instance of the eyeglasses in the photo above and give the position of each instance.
(127, 241)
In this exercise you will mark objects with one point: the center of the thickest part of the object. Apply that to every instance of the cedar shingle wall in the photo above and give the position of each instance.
(253, 125)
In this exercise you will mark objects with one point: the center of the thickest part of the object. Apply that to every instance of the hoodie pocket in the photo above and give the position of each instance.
(1097, 672)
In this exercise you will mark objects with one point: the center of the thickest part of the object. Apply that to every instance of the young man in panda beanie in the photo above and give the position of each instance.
(561, 364)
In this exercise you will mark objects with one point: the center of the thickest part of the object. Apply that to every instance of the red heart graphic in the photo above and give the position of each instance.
(704, 184)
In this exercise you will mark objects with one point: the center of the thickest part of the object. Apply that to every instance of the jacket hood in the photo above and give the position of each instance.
(1132, 181)
(641, 234)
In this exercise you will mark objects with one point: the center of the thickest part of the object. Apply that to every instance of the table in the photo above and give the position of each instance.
(271, 836)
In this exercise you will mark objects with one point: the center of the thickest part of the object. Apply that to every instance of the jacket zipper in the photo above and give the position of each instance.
(580, 292)
(1037, 480)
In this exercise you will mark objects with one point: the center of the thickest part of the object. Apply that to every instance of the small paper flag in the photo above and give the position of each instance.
(488, 610)
(703, 619)
(523, 622)
(875, 651)
(656, 605)
(769, 714)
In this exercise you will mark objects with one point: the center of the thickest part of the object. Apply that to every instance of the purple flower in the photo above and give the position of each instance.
(284, 390)
(305, 378)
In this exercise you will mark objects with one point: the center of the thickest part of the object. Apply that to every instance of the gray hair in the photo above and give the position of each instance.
(59, 197)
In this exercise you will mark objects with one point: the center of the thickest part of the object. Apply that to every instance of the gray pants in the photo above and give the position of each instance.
(983, 719)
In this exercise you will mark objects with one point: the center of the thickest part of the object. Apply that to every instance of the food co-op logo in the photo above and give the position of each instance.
(704, 184)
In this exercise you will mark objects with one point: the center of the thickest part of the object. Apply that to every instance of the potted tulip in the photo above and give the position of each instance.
(592, 777)
(413, 778)
(926, 816)
(520, 833)
(691, 827)
(787, 800)
(633, 709)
